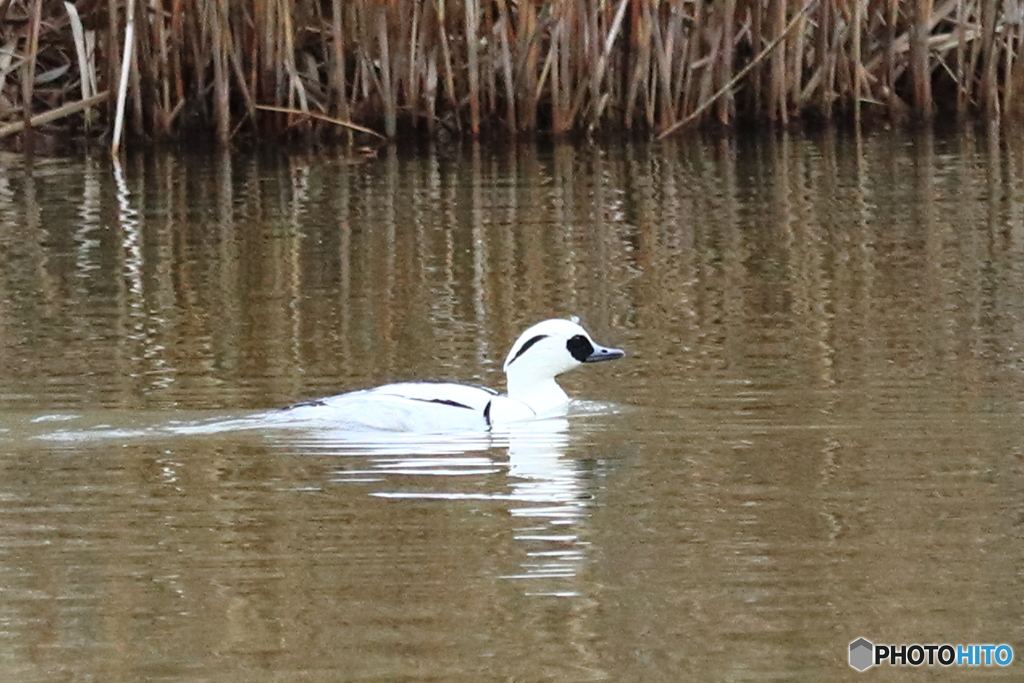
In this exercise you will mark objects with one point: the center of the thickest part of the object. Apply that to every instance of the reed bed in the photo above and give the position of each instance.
(384, 68)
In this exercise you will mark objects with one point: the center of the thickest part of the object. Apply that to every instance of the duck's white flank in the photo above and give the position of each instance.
(541, 353)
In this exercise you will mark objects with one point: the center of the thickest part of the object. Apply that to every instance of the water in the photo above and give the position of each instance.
(815, 436)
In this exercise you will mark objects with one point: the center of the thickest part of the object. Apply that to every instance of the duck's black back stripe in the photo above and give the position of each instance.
(442, 401)
(306, 404)
(524, 347)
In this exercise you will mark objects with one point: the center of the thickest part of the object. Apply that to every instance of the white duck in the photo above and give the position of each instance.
(541, 353)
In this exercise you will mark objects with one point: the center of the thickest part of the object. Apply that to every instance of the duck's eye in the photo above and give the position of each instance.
(580, 347)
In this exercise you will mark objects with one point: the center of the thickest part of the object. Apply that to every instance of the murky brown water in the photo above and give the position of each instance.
(816, 435)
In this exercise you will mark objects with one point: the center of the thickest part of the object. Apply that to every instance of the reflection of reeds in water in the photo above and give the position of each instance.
(474, 66)
(255, 273)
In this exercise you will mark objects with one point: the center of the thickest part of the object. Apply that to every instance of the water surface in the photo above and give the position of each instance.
(815, 436)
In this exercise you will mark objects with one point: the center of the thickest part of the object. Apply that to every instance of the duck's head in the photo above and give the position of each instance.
(545, 351)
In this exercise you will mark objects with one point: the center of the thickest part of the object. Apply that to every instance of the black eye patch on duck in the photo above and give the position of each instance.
(528, 344)
(580, 347)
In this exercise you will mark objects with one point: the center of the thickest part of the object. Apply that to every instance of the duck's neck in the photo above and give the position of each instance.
(542, 395)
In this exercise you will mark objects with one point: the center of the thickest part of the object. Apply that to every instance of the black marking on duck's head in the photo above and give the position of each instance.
(580, 348)
(522, 349)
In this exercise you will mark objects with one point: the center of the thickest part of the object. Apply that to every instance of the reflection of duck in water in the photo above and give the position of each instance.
(541, 353)
(544, 492)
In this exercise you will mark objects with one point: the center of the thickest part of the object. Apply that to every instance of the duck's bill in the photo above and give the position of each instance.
(603, 353)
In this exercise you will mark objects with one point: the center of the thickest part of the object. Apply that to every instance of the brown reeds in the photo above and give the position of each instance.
(470, 67)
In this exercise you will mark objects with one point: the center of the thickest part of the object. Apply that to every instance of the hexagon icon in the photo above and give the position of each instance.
(862, 654)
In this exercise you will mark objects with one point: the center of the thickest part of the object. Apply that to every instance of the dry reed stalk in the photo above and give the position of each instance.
(53, 114)
(446, 53)
(586, 50)
(83, 55)
(675, 42)
(386, 88)
(237, 67)
(681, 41)
(399, 31)
(321, 117)
(1009, 54)
(819, 79)
(111, 44)
(270, 79)
(504, 28)
(337, 62)
(648, 83)
(563, 31)
(542, 78)
(889, 59)
(488, 65)
(705, 84)
(976, 57)
(661, 77)
(691, 95)
(828, 50)
(414, 60)
(193, 38)
(221, 87)
(557, 54)
(360, 78)
(31, 52)
(795, 58)
(122, 88)
(143, 65)
(920, 74)
(528, 54)
(555, 69)
(135, 80)
(989, 79)
(175, 39)
(641, 66)
(962, 89)
(857, 68)
(580, 43)
(472, 36)
(7, 62)
(431, 77)
(296, 90)
(757, 78)
(778, 109)
(86, 79)
(161, 102)
(723, 62)
(1014, 69)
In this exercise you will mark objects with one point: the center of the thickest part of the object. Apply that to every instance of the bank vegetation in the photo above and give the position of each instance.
(374, 69)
